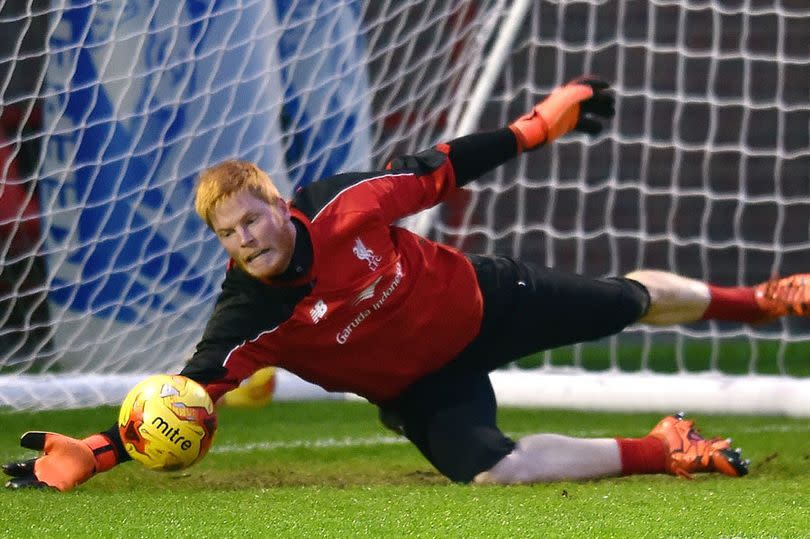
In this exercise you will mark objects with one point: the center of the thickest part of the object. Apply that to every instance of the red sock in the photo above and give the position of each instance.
(735, 304)
(642, 455)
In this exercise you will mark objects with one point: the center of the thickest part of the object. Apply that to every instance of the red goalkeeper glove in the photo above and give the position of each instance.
(574, 106)
(65, 463)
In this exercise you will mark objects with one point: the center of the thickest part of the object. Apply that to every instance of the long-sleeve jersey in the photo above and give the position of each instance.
(365, 306)
(379, 306)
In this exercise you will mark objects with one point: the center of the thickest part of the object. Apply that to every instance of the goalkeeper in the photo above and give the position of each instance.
(327, 287)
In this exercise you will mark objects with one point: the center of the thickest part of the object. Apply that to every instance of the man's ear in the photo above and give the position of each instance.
(283, 207)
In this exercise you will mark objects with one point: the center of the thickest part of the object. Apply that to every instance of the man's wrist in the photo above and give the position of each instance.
(530, 131)
(104, 451)
(114, 436)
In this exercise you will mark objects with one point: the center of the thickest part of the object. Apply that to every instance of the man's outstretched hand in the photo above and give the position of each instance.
(65, 462)
(579, 106)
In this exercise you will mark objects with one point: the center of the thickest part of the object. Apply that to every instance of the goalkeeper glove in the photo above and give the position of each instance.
(573, 106)
(65, 463)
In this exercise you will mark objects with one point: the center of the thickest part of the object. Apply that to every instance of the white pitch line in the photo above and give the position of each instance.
(322, 443)
(327, 443)
(774, 428)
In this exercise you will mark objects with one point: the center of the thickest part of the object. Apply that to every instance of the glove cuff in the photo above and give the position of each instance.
(531, 130)
(103, 452)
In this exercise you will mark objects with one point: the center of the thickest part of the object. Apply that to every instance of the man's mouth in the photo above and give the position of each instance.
(254, 256)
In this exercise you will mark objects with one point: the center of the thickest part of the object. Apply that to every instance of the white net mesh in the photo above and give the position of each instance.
(706, 170)
(109, 110)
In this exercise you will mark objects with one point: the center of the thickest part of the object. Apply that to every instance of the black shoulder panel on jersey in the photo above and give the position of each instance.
(245, 308)
(312, 198)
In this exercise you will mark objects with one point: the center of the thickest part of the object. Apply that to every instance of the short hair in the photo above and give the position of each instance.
(228, 178)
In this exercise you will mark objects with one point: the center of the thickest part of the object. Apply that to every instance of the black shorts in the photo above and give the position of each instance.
(450, 415)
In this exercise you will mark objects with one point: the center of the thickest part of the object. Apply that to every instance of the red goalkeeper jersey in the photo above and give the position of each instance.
(377, 308)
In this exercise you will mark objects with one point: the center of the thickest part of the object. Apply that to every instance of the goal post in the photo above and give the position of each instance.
(110, 109)
(705, 173)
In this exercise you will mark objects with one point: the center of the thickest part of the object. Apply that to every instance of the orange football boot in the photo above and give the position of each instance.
(689, 453)
(788, 295)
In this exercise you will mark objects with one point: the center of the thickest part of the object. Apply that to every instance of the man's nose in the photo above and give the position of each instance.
(245, 237)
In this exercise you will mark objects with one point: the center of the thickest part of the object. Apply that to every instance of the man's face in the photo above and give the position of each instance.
(258, 236)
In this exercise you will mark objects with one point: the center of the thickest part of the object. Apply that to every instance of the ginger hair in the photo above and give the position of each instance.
(228, 178)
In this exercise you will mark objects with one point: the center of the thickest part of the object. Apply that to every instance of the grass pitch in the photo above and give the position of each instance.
(328, 469)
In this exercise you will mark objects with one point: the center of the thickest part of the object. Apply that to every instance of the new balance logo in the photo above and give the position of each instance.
(368, 292)
(318, 311)
(364, 253)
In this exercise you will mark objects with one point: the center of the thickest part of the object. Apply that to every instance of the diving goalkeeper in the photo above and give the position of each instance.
(329, 288)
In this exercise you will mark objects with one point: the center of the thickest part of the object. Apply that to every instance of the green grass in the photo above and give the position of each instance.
(328, 469)
(729, 356)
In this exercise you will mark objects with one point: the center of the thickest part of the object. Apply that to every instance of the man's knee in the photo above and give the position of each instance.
(633, 301)
(462, 455)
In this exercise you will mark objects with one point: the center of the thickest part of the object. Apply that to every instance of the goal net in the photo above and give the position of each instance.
(706, 172)
(110, 109)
